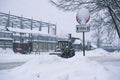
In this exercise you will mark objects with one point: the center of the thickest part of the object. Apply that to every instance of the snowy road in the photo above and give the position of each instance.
(10, 65)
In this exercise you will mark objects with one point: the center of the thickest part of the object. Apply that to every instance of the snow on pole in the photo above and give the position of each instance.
(83, 16)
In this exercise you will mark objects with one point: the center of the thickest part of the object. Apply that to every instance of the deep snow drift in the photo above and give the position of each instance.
(51, 67)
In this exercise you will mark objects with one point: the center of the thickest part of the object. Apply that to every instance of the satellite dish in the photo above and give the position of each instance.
(83, 16)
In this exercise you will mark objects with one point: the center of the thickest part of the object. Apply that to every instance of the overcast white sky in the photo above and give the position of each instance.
(41, 10)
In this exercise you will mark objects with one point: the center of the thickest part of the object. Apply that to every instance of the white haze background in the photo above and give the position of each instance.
(41, 10)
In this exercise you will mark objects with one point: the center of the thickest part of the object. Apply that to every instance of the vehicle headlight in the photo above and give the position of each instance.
(66, 46)
(57, 46)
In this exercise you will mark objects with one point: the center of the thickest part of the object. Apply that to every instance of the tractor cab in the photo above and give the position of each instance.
(65, 49)
(60, 45)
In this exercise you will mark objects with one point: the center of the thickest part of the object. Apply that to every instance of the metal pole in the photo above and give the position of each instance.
(21, 27)
(8, 22)
(83, 43)
(31, 26)
(40, 26)
(55, 30)
(48, 29)
(21, 22)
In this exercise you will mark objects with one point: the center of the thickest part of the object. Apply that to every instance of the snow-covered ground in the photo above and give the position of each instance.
(96, 65)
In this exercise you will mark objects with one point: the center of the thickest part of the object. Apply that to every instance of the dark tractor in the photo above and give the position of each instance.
(64, 49)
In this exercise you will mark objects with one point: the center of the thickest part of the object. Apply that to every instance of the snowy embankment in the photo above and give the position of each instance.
(56, 68)
(51, 67)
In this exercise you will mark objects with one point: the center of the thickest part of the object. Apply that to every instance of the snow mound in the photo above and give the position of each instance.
(98, 52)
(6, 51)
(47, 67)
(101, 52)
(95, 52)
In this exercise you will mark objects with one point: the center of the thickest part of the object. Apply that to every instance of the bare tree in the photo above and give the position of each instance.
(112, 7)
(104, 32)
